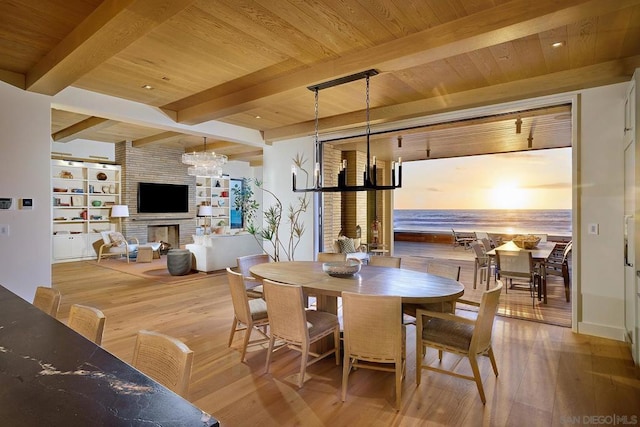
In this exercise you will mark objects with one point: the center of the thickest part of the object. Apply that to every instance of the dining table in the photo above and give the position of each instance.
(53, 376)
(414, 287)
(540, 254)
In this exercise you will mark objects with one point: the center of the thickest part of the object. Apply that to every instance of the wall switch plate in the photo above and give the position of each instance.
(594, 229)
(26, 203)
(4, 229)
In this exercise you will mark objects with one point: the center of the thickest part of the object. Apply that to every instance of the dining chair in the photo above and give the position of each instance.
(518, 265)
(385, 261)
(251, 284)
(48, 300)
(450, 271)
(560, 267)
(297, 327)
(459, 335)
(165, 359)
(87, 321)
(441, 269)
(383, 350)
(249, 314)
(482, 264)
(464, 240)
(331, 256)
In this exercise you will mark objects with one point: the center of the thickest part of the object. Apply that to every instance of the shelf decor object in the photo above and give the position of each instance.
(370, 173)
(204, 163)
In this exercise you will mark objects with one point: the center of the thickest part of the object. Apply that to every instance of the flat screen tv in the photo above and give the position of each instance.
(163, 198)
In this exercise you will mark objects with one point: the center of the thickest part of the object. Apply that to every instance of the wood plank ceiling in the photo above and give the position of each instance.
(249, 62)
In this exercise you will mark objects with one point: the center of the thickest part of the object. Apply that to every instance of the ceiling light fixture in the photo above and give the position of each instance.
(557, 44)
(399, 141)
(370, 179)
(204, 163)
(148, 87)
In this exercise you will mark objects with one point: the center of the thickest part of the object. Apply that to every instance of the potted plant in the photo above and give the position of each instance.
(221, 226)
(273, 216)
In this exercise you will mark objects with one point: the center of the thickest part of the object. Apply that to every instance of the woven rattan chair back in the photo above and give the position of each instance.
(382, 349)
(88, 322)
(444, 270)
(165, 359)
(47, 300)
(385, 261)
(331, 256)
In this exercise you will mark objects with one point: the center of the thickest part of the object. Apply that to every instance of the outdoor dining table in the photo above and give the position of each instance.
(540, 255)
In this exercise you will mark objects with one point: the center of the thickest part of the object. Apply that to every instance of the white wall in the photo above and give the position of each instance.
(601, 186)
(277, 160)
(25, 138)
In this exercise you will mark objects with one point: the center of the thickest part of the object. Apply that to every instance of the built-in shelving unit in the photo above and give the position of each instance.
(215, 193)
(82, 196)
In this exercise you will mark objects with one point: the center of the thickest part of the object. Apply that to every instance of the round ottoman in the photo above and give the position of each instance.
(179, 262)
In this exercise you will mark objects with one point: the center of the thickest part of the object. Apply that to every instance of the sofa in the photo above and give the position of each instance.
(219, 251)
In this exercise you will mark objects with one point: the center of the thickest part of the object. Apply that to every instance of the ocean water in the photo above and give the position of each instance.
(555, 222)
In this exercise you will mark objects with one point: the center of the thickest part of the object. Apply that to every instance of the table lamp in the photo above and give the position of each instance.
(206, 211)
(120, 211)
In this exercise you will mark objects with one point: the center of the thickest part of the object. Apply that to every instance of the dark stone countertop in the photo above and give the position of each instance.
(50, 375)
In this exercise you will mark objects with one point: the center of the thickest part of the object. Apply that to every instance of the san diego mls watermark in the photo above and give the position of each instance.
(598, 420)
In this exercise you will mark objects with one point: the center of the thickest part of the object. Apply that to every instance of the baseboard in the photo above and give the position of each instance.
(602, 331)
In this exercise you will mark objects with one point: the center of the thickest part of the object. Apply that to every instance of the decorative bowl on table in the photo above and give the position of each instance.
(346, 268)
(526, 241)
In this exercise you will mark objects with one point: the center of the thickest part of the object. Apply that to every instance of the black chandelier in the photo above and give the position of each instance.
(370, 173)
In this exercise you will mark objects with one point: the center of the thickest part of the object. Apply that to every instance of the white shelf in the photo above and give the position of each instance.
(208, 192)
(73, 238)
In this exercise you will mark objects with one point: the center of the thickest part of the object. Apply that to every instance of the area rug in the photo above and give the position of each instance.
(154, 270)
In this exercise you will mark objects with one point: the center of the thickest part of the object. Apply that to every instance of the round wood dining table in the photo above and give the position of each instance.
(414, 287)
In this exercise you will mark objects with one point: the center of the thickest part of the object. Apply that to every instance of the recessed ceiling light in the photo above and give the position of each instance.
(557, 44)
(148, 87)
(258, 117)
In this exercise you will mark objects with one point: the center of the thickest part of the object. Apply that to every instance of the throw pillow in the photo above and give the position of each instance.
(346, 246)
(116, 239)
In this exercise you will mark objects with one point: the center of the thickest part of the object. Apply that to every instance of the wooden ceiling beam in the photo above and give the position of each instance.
(159, 137)
(113, 26)
(506, 22)
(246, 155)
(92, 124)
(15, 79)
(563, 81)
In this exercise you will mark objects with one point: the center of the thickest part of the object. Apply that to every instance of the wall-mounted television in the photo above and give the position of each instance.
(163, 198)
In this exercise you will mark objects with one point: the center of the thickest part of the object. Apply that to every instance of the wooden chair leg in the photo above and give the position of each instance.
(269, 352)
(245, 342)
(476, 375)
(234, 325)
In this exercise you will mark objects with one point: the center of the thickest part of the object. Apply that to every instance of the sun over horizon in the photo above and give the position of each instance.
(539, 179)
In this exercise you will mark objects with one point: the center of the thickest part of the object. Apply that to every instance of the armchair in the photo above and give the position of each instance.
(115, 244)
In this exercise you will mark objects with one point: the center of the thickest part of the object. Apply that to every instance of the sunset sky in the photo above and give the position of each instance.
(526, 180)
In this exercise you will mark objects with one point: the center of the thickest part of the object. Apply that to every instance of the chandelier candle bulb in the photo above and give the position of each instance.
(294, 172)
(393, 173)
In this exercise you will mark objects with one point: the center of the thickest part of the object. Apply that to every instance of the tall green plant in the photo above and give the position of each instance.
(274, 215)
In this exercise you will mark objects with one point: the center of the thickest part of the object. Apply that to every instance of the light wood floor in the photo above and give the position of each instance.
(548, 375)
